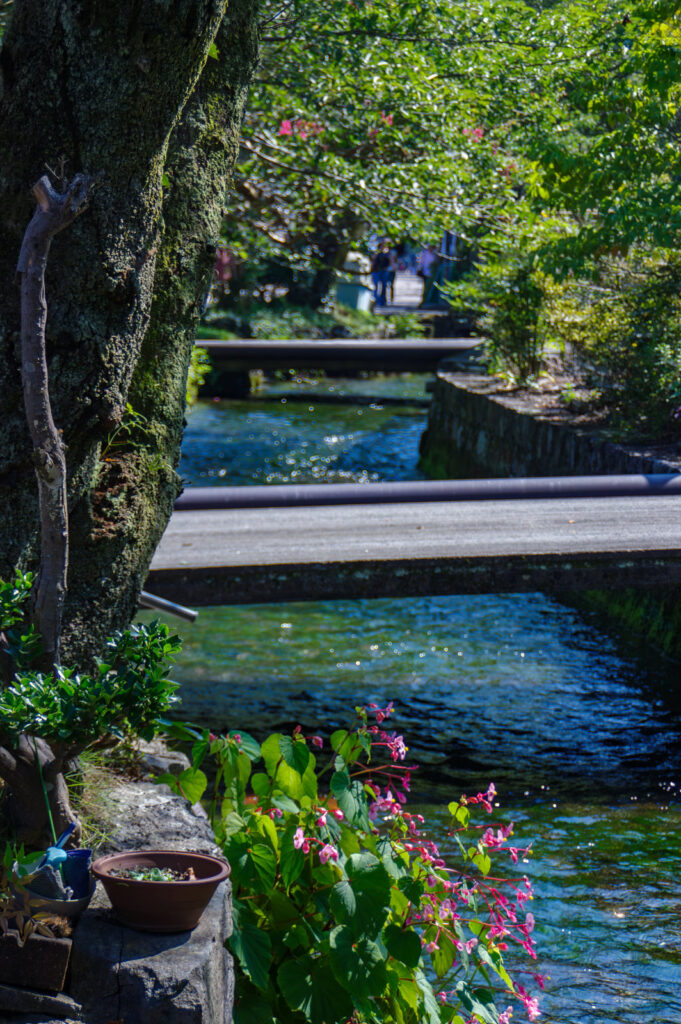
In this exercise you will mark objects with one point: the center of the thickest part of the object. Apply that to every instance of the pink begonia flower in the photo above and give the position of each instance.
(300, 842)
(431, 947)
(285, 128)
(531, 1004)
(529, 922)
(387, 119)
(338, 814)
(328, 852)
(505, 1017)
(317, 741)
(301, 128)
(321, 820)
(397, 748)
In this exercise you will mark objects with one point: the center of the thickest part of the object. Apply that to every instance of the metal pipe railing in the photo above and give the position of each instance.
(159, 604)
(289, 495)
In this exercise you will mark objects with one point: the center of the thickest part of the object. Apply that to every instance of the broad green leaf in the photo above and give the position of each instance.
(310, 985)
(351, 799)
(460, 813)
(430, 1004)
(359, 964)
(361, 900)
(444, 956)
(253, 949)
(265, 863)
(292, 861)
(412, 889)
(404, 945)
(192, 783)
(251, 1006)
(478, 1001)
(483, 862)
(295, 753)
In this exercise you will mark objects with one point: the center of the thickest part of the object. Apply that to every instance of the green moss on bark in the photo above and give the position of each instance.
(117, 89)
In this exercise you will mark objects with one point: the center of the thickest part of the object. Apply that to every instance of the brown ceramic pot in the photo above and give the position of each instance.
(160, 906)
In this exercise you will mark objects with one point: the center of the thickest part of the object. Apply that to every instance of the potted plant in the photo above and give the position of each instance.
(160, 890)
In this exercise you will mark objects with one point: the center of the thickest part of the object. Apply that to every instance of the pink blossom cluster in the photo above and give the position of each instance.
(300, 127)
(474, 134)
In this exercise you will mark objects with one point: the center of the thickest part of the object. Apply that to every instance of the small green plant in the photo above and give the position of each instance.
(47, 718)
(345, 909)
(145, 874)
(125, 434)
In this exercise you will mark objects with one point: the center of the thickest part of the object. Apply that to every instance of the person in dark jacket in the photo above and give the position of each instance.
(380, 268)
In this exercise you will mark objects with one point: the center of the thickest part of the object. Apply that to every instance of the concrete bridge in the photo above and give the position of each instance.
(388, 548)
(391, 355)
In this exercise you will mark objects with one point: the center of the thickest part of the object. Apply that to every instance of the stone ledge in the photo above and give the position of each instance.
(122, 974)
(118, 974)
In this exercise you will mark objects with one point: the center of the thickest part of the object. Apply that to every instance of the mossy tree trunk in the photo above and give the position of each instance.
(149, 93)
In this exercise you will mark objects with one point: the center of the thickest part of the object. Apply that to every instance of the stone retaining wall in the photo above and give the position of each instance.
(476, 430)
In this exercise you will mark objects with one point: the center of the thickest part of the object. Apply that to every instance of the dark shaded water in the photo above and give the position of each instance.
(580, 735)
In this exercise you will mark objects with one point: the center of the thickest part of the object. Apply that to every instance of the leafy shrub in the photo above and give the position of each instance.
(626, 331)
(344, 908)
(505, 299)
(125, 693)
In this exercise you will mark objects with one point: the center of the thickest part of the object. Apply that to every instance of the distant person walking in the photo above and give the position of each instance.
(427, 268)
(380, 267)
(392, 272)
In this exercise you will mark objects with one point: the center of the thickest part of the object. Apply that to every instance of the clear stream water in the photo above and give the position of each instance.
(580, 732)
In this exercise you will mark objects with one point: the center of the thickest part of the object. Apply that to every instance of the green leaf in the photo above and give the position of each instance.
(261, 784)
(192, 783)
(359, 964)
(292, 861)
(404, 945)
(265, 863)
(214, 52)
(310, 985)
(253, 949)
(288, 779)
(479, 1001)
(459, 813)
(430, 1004)
(351, 799)
(362, 900)
(483, 862)
(247, 744)
(295, 753)
(444, 956)
(411, 888)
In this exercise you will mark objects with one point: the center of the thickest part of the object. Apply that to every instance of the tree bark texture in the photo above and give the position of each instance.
(24, 801)
(126, 88)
